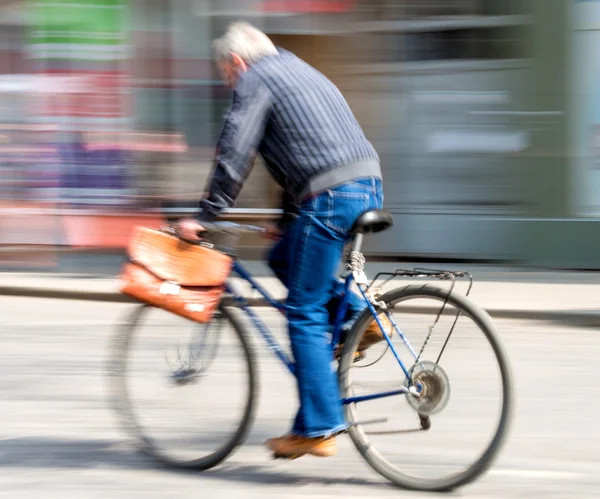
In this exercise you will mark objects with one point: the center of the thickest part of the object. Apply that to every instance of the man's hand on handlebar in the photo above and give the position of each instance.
(189, 229)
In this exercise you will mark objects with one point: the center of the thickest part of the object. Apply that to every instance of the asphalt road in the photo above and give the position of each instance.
(61, 439)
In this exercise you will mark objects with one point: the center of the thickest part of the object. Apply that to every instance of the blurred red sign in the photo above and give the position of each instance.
(96, 95)
(322, 6)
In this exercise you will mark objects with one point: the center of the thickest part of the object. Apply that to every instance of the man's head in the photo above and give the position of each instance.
(240, 46)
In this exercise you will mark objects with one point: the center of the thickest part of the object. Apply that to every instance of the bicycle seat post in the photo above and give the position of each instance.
(356, 261)
(357, 243)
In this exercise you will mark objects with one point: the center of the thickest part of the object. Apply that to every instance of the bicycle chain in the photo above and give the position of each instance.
(418, 359)
(377, 385)
(395, 432)
(392, 384)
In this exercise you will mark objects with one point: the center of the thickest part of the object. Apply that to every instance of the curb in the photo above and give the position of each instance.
(64, 294)
(586, 318)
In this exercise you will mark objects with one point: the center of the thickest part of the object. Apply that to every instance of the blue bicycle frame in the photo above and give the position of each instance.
(243, 304)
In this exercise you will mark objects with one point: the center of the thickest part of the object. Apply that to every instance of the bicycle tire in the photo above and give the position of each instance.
(359, 437)
(122, 404)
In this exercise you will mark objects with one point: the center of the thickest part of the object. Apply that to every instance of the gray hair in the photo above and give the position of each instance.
(244, 40)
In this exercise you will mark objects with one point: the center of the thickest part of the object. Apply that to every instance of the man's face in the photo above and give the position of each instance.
(230, 69)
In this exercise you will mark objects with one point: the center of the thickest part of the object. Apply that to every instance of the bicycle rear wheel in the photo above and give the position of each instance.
(448, 437)
(184, 391)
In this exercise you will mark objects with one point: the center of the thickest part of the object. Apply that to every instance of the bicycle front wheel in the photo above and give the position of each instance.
(184, 391)
(449, 433)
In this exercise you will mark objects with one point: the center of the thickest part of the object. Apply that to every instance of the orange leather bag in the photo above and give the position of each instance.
(166, 272)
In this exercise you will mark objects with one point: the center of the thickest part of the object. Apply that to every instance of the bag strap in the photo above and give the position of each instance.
(160, 278)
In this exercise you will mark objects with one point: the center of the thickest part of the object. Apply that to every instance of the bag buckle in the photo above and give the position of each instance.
(169, 288)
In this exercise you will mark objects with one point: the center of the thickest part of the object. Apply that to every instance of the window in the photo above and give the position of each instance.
(436, 30)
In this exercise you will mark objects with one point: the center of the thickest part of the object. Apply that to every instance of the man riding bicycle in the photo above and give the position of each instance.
(311, 143)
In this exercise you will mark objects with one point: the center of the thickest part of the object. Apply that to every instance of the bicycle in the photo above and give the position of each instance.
(423, 383)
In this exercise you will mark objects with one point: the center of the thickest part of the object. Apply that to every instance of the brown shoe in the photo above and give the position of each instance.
(294, 446)
(372, 336)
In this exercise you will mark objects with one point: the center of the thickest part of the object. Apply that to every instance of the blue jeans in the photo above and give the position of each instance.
(306, 260)
(279, 262)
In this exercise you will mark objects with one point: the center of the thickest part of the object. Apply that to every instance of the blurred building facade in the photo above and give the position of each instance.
(477, 108)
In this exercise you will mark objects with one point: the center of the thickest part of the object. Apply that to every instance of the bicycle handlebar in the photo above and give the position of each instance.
(230, 227)
(215, 227)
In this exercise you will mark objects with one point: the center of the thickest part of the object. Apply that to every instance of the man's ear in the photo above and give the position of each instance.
(239, 62)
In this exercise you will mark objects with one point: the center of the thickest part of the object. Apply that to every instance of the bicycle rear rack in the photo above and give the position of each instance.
(423, 273)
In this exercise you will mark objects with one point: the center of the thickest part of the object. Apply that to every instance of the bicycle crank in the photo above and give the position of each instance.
(424, 426)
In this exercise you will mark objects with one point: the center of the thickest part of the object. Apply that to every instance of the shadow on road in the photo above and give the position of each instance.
(49, 453)
(266, 475)
(41, 452)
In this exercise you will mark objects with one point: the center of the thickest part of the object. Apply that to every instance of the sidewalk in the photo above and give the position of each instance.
(503, 292)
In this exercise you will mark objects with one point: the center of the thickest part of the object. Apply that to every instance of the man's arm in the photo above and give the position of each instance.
(237, 146)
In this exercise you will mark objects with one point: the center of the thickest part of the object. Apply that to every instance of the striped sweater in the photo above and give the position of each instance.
(296, 119)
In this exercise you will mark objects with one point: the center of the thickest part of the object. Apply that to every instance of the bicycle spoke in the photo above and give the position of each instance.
(460, 403)
(184, 421)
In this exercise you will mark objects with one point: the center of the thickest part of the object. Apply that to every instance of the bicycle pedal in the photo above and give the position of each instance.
(358, 356)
